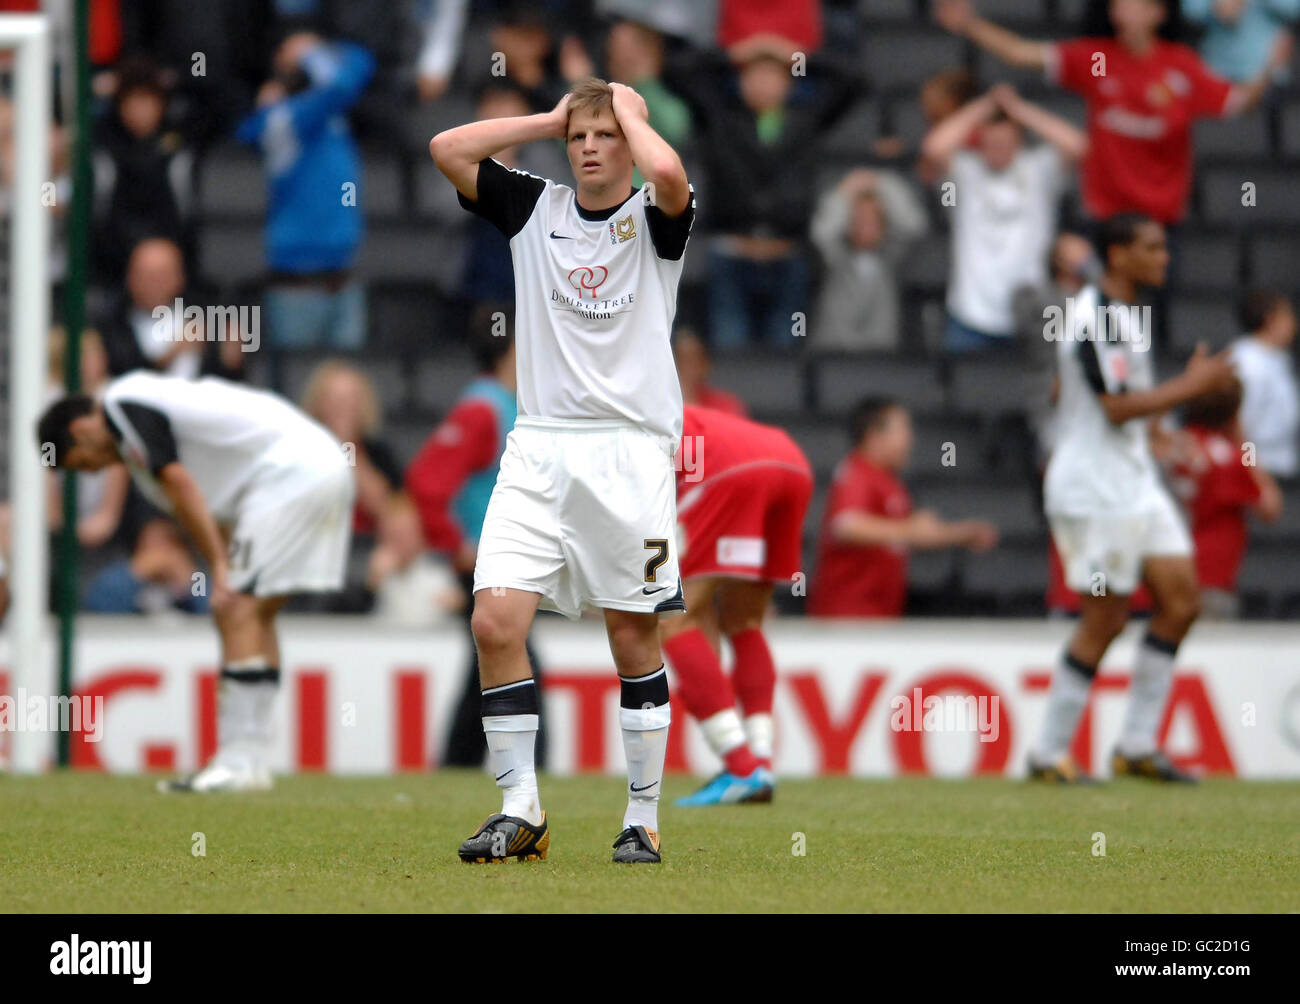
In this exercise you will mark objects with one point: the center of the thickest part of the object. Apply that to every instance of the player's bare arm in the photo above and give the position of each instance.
(959, 17)
(458, 151)
(193, 514)
(657, 161)
(1203, 373)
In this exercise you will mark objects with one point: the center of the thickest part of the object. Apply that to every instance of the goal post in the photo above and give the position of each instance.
(30, 650)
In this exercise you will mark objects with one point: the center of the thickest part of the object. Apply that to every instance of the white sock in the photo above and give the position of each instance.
(758, 733)
(1066, 699)
(245, 706)
(723, 731)
(1148, 691)
(510, 720)
(644, 715)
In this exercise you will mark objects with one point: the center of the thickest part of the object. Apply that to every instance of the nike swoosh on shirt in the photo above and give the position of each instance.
(560, 237)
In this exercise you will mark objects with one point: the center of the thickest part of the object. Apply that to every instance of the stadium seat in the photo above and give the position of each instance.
(932, 438)
(435, 198)
(411, 318)
(1213, 321)
(765, 382)
(439, 382)
(1276, 196)
(1274, 261)
(841, 381)
(1012, 506)
(1267, 581)
(889, 11)
(1207, 261)
(232, 183)
(1237, 137)
(900, 59)
(1286, 530)
(410, 251)
(906, 120)
(1013, 574)
(930, 571)
(825, 444)
(987, 385)
(851, 137)
(381, 187)
(1291, 130)
(232, 253)
(405, 437)
(927, 266)
(1025, 13)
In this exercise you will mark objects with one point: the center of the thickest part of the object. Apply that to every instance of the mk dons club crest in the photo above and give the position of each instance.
(623, 230)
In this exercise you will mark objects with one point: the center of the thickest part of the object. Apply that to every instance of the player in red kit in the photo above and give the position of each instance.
(742, 492)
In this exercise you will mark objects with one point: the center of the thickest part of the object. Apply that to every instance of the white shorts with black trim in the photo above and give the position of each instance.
(584, 513)
(1109, 551)
(292, 532)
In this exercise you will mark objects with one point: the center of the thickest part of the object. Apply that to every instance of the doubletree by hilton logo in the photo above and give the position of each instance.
(588, 278)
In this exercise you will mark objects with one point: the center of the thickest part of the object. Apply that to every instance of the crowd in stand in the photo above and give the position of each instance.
(795, 250)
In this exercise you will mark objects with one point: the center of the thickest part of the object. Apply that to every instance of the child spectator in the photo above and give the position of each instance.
(863, 229)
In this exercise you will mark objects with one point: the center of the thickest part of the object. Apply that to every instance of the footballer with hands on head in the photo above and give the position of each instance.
(584, 510)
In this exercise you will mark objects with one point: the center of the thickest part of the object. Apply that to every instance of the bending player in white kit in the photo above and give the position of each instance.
(264, 492)
(584, 509)
(1113, 521)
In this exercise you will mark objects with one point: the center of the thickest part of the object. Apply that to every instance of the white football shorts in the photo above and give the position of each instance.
(293, 531)
(584, 512)
(1110, 550)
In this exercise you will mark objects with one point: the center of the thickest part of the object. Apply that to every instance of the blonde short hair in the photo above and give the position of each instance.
(591, 94)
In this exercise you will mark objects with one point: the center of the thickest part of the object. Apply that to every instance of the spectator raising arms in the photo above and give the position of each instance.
(863, 229)
(1004, 200)
(869, 525)
(1143, 93)
(1270, 409)
(313, 228)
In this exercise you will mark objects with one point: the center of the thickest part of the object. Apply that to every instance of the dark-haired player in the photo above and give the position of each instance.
(265, 494)
(584, 509)
(1113, 521)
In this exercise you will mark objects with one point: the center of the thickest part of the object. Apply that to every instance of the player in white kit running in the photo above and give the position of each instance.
(1113, 521)
(584, 509)
(266, 495)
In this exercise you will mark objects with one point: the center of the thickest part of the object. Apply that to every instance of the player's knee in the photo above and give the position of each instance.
(1183, 607)
(493, 630)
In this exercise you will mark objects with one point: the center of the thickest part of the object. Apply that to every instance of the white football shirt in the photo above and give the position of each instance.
(1097, 467)
(595, 296)
(229, 437)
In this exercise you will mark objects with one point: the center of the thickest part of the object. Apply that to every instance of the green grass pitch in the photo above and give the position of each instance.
(86, 843)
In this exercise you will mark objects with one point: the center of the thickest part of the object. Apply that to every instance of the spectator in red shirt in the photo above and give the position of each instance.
(869, 525)
(693, 367)
(1143, 94)
(1212, 475)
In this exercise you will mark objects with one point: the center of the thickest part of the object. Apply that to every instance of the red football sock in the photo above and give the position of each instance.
(701, 684)
(755, 672)
(705, 690)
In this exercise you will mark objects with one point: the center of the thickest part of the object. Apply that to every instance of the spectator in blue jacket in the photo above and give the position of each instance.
(1240, 35)
(314, 221)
